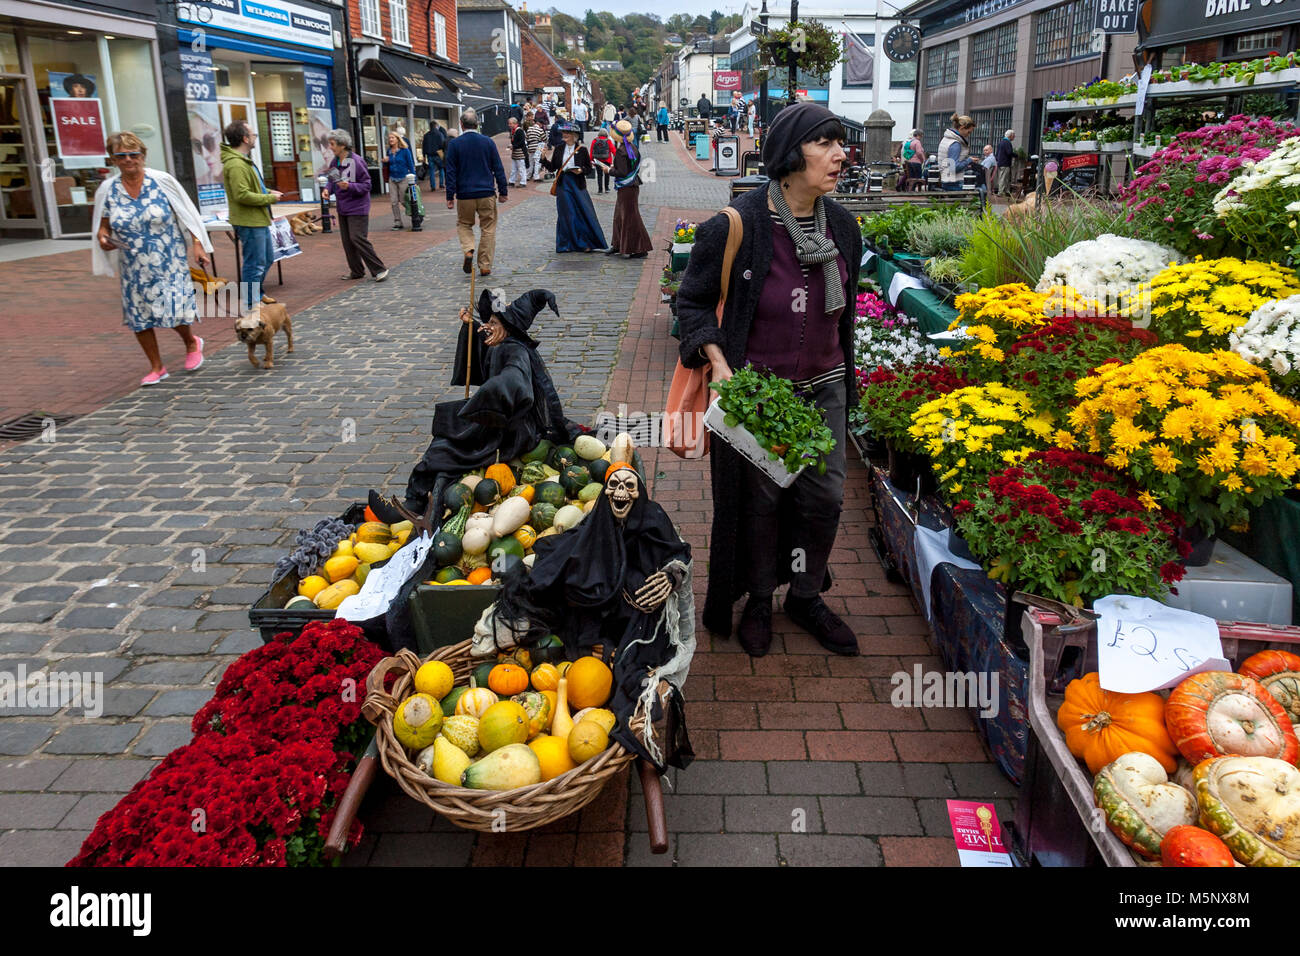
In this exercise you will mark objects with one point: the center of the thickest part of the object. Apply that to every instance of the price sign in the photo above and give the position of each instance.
(1144, 645)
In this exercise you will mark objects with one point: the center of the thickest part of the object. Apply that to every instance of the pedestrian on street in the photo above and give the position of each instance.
(473, 164)
(535, 141)
(434, 146)
(1006, 153)
(553, 136)
(989, 166)
(580, 115)
(609, 114)
(914, 156)
(602, 157)
(576, 227)
(750, 113)
(954, 153)
(518, 154)
(349, 181)
(249, 203)
(704, 107)
(140, 221)
(661, 125)
(401, 163)
(791, 312)
(629, 235)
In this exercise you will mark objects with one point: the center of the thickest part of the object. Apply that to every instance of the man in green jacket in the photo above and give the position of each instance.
(250, 209)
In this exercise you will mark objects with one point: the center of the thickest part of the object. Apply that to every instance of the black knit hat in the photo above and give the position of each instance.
(790, 128)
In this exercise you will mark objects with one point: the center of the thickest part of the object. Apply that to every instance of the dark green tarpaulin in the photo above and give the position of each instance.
(1274, 541)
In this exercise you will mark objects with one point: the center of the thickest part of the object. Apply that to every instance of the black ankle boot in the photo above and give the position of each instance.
(821, 622)
(755, 634)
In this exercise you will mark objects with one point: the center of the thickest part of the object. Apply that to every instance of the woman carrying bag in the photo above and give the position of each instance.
(789, 308)
(576, 227)
(629, 236)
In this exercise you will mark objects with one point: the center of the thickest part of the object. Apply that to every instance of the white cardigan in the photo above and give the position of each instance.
(106, 263)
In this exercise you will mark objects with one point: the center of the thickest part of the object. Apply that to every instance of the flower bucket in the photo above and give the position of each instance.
(743, 442)
(1202, 545)
(907, 468)
(681, 254)
(1122, 146)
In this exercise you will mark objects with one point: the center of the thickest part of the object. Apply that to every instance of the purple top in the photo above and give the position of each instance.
(792, 334)
(355, 200)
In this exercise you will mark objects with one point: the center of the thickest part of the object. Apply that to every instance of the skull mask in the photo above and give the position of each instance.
(621, 487)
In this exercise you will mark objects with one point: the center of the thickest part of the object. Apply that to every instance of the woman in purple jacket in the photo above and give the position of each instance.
(349, 180)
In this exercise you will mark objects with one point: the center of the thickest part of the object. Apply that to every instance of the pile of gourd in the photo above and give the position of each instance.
(495, 516)
(345, 571)
(507, 727)
(1207, 777)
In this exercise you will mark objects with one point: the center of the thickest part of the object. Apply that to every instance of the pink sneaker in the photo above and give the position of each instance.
(194, 359)
(153, 378)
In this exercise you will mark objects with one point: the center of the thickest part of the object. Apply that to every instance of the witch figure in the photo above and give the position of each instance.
(514, 408)
(622, 579)
(629, 236)
(576, 227)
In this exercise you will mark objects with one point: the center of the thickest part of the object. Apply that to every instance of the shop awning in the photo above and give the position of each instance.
(475, 93)
(417, 80)
(1174, 24)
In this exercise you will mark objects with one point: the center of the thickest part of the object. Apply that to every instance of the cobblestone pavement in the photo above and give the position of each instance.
(138, 538)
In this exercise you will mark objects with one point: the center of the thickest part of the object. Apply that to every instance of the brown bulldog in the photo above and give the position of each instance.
(259, 327)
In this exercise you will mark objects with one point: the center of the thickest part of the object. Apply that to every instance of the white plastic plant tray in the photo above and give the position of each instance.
(740, 439)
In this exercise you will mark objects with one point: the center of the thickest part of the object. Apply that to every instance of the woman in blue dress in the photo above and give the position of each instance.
(576, 227)
(140, 220)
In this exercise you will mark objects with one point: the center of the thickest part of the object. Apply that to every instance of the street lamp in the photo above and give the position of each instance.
(762, 87)
(794, 16)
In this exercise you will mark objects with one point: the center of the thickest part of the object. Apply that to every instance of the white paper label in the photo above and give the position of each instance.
(1144, 645)
(382, 584)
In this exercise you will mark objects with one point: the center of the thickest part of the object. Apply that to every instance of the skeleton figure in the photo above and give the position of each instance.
(622, 490)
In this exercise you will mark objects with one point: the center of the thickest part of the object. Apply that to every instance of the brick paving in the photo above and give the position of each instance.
(801, 758)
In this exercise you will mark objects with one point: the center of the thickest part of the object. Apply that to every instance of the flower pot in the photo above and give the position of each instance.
(906, 468)
(1202, 543)
(747, 446)
(1121, 146)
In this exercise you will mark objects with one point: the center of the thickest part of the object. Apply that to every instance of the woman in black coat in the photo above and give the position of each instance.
(790, 308)
(576, 227)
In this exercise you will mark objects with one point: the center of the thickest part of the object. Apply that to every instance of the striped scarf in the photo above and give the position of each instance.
(812, 249)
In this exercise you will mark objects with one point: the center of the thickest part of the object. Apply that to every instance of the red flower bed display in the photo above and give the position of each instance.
(271, 756)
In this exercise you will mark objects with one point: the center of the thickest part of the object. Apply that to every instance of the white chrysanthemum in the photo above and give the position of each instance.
(1107, 269)
(1271, 336)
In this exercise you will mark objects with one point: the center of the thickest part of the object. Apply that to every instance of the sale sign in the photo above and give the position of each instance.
(205, 131)
(78, 132)
(978, 834)
(726, 80)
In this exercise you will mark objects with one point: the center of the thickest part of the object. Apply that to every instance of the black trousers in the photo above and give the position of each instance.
(814, 500)
(355, 232)
(602, 179)
(663, 133)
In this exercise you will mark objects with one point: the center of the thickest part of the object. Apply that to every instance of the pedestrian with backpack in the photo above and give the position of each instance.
(914, 156)
(602, 157)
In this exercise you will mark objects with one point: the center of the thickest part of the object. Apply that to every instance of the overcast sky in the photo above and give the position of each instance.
(665, 9)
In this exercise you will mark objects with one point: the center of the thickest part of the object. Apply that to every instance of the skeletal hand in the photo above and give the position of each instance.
(652, 594)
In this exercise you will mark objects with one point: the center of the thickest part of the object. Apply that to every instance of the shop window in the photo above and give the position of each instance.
(902, 75)
(932, 127)
(397, 17)
(9, 53)
(989, 127)
(1257, 43)
(941, 65)
(993, 52)
(440, 34)
(1064, 33)
(370, 23)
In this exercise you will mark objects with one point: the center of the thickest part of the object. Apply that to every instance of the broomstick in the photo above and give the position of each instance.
(469, 352)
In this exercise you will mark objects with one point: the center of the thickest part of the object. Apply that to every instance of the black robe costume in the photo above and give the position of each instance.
(514, 408)
(575, 591)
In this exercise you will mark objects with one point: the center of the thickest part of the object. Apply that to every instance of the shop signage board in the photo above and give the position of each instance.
(1175, 23)
(902, 43)
(269, 20)
(78, 117)
(1116, 16)
(205, 131)
(320, 115)
(726, 80)
(1078, 171)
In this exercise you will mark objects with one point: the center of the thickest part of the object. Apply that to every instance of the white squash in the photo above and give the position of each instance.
(588, 447)
(475, 541)
(568, 517)
(623, 449)
(510, 516)
(482, 521)
(1141, 803)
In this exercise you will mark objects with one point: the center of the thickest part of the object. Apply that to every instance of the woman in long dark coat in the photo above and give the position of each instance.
(630, 237)
(576, 227)
(790, 309)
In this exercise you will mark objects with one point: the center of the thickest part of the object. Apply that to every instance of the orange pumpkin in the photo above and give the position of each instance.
(503, 476)
(479, 576)
(1217, 713)
(527, 492)
(1101, 726)
(590, 682)
(1191, 846)
(1279, 672)
(508, 679)
(545, 677)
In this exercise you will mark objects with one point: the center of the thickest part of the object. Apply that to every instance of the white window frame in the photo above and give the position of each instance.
(373, 25)
(440, 34)
(400, 21)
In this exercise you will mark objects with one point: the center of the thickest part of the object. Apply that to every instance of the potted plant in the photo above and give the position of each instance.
(891, 396)
(762, 417)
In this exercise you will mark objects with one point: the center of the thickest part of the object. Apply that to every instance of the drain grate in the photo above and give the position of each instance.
(29, 426)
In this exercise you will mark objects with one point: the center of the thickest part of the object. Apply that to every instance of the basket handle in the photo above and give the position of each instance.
(378, 701)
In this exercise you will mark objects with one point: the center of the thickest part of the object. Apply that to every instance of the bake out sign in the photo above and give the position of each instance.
(78, 128)
(1217, 8)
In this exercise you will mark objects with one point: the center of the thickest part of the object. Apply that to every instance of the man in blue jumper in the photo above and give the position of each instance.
(472, 164)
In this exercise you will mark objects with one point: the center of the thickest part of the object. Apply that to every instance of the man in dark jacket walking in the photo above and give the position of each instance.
(434, 145)
(473, 164)
(704, 106)
(1004, 154)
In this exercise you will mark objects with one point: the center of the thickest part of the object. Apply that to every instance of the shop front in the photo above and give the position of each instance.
(401, 92)
(273, 66)
(69, 78)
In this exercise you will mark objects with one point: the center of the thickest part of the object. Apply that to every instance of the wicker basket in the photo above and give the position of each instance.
(524, 807)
